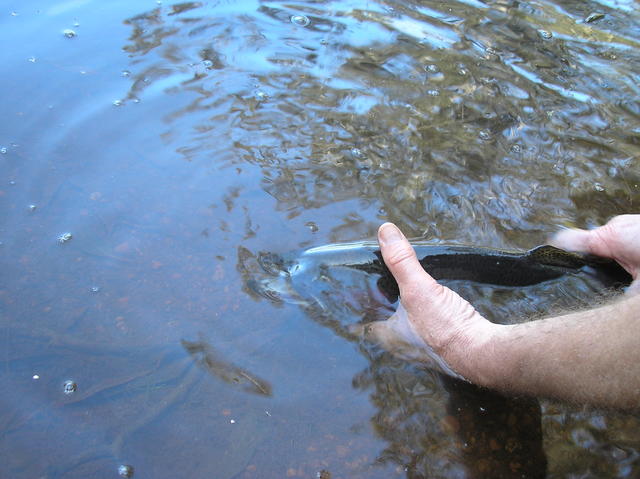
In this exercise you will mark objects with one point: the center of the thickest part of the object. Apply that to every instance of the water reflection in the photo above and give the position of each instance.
(438, 126)
(168, 140)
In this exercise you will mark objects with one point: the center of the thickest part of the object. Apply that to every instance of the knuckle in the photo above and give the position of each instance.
(399, 256)
(601, 240)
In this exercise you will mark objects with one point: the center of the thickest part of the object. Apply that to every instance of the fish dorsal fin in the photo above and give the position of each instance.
(552, 256)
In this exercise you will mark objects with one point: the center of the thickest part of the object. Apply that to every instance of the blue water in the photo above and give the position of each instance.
(174, 142)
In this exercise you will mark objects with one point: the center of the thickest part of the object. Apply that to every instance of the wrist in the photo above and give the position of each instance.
(477, 355)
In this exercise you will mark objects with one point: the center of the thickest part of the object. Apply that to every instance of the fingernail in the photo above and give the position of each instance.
(389, 233)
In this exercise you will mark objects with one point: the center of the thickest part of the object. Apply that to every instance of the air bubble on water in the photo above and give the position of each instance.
(261, 96)
(32, 59)
(357, 152)
(382, 211)
(3, 150)
(69, 387)
(433, 92)
(547, 35)
(516, 148)
(208, 64)
(12, 182)
(432, 68)
(300, 20)
(619, 454)
(95, 289)
(594, 17)
(125, 470)
(64, 237)
(598, 187)
(14, 14)
(76, 24)
(313, 227)
(125, 73)
(484, 135)
(117, 103)
(32, 207)
(35, 377)
(67, 32)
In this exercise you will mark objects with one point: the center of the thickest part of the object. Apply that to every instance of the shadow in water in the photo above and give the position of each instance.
(207, 358)
(439, 426)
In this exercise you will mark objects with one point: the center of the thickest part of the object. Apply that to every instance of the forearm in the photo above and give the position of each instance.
(588, 357)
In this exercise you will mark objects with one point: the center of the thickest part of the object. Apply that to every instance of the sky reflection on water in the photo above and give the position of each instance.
(175, 141)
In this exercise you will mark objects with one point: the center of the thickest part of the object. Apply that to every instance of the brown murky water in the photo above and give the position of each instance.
(149, 150)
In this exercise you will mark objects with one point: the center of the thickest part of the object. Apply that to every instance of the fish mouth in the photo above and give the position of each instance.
(267, 275)
(272, 264)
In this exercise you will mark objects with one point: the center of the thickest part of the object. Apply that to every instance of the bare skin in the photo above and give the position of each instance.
(588, 357)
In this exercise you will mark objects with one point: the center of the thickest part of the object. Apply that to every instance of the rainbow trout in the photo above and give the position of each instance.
(443, 262)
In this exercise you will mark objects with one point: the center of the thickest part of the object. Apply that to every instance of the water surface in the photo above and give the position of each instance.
(149, 151)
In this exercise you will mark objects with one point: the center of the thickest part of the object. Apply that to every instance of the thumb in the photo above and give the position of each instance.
(587, 241)
(400, 258)
(572, 239)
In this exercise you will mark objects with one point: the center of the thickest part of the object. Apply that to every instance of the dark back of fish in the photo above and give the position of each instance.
(501, 268)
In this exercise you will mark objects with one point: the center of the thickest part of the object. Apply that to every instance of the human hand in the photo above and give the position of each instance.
(619, 240)
(433, 324)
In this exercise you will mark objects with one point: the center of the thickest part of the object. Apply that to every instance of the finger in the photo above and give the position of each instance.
(588, 241)
(571, 239)
(400, 258)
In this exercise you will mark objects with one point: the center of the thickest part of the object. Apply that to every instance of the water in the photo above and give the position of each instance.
(171, 141)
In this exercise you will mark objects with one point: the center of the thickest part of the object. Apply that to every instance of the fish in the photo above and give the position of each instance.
(508, 268)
